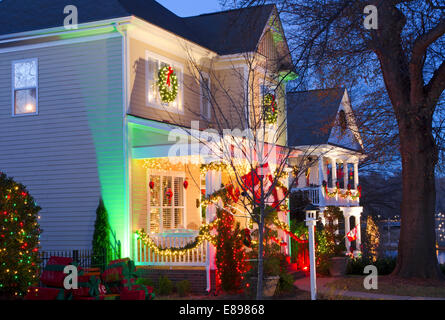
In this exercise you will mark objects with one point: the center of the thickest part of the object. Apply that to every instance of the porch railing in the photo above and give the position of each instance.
(195, 257)
(317, 197)
(313, 194)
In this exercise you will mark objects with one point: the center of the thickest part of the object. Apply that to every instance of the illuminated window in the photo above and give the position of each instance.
(154, 64)
(329, 174)
(340, 175)
(25, 87)
(166, 202)
(351, 180)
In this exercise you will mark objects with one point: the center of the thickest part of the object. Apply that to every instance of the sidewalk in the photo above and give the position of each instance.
(304, 284)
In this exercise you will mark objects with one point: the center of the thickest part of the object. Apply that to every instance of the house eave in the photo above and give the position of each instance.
(58, 31)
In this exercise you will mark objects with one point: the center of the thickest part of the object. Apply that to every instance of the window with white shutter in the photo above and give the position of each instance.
(25, 87)
(206, 111)
(154, 63)
(166, 201)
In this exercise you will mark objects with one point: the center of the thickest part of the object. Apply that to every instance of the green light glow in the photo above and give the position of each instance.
(103, 100)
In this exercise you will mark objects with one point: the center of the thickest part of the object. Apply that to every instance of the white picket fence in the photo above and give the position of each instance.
(196, 257)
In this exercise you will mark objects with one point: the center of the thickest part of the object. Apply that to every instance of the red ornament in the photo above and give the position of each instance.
(152, 184)
(186, 184)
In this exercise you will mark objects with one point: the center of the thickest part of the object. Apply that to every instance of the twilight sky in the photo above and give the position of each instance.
(185, 8)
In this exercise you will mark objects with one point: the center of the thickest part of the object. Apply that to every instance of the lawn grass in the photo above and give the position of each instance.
(392, 286)
(295, 294)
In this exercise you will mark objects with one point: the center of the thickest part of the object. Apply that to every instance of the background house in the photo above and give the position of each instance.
(322, 123)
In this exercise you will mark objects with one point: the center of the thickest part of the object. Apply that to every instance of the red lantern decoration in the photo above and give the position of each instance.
(186, 184)
(152, 184)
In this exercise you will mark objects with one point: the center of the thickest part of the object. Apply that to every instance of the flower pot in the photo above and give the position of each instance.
(269, 285)
(337, 266)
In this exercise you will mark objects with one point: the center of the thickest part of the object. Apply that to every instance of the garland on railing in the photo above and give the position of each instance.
(343, 195)
(286, 229)
(204, 234)
(228, 195)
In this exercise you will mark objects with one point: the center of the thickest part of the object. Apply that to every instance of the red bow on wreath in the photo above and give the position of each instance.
(170, 72)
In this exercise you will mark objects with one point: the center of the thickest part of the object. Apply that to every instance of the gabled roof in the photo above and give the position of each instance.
(226, 32)
(311, 116)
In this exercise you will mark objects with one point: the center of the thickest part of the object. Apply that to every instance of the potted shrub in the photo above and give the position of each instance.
(271, 270)
(336, 248)
(271, 260)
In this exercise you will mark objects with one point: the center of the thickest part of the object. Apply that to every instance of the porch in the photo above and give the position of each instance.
(332, 179)
(167, 192)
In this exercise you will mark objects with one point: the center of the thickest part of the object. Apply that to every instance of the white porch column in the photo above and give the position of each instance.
(321, 178)
(334, 171)
(347, 229)
(213, 183)
(334, 175)
(359, 232)
(320, 171)
(355, 175)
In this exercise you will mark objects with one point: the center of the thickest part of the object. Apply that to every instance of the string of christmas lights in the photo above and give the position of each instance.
(344, 195)
(203, 235)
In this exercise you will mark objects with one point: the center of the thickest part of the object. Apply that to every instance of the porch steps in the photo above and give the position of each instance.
(295, 272)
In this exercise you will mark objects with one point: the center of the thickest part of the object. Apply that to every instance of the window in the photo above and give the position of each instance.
(24, 86)
(206, 107)
(154, 64)
(268, 89)
(340, 175)
(329, 173)
(166, 202)
(351, 180)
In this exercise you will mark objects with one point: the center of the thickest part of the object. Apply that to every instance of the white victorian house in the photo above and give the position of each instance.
(321, 123)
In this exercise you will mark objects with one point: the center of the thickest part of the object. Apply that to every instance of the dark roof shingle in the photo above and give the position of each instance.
(311, 115)
(232, 31)
(225, 32)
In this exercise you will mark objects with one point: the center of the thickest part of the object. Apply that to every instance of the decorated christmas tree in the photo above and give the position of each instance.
(19, 239)
(230, 254)
(101, 237)
(372, 240)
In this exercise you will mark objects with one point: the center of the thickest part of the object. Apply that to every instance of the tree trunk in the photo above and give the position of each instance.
(259, 287)
(416, 253)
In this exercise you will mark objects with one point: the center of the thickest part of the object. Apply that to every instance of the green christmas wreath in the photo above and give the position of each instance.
(167, 84)
(270, 109)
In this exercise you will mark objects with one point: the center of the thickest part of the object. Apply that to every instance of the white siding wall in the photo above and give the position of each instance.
(74, 146)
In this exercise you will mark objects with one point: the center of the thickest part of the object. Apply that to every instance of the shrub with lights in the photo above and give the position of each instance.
(19, 238)
(230, 254)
